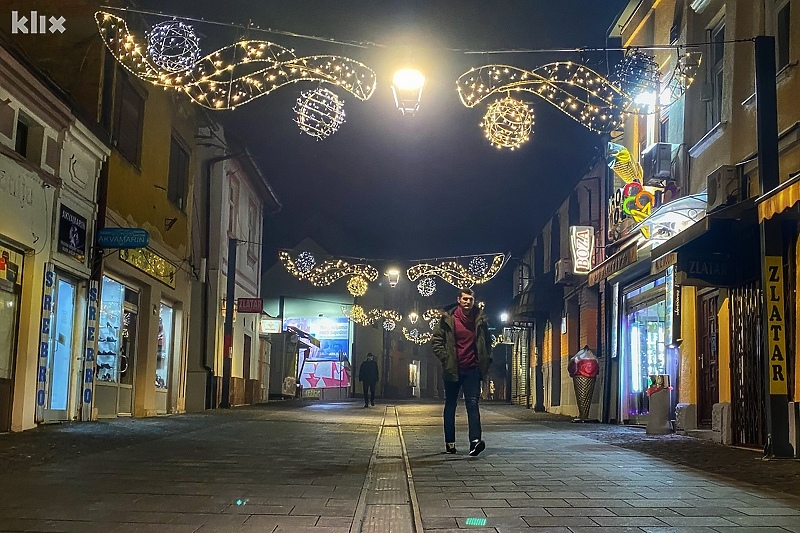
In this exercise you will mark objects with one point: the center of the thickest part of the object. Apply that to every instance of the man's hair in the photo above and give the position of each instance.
(469, 292)
(369, 354)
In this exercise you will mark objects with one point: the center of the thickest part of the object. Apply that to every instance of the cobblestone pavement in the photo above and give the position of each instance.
(328, 468)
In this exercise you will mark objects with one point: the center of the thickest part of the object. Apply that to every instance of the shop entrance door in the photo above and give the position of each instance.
(9, 312)
(127, 360)
(59, 364)
(707, 355)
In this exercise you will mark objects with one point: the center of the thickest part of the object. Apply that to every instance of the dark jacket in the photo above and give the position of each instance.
(443, 343)
(368, 371)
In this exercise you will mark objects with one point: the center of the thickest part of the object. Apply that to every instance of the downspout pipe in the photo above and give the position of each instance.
(209, 165)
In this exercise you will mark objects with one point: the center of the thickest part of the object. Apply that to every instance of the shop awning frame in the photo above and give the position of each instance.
(780, 199)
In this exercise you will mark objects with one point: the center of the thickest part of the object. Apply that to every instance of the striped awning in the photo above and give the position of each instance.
(778, 200)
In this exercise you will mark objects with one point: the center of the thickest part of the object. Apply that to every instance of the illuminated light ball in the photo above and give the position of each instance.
(357, 314)
(357, 286)
(173, 46)
(507, 123)
(426, 286)
(637, 74)
(414, 333)
(389, 324)
(433, 323)
(478, 267)
(305, 262)
(319, 112)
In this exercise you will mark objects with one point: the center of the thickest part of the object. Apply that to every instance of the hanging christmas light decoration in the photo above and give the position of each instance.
(319, 113)
(426, 287)
(357, 286)
(477, 266)
(329, 271)
(507, 123)
(431, 314)
(576, 90)
(173, 46)
(416, 337)
(238, 73)
(433, 323)
(455, 274)
(305, 262)
(357, 314)
(638, 77)
(389, 325)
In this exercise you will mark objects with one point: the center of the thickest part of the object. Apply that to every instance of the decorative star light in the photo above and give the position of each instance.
(319, 113)
(357, 286)
(329, 271)
(507, 123)
(416, 337)
(238, 73)
(173, 46)
(426, 286)
(455, 274)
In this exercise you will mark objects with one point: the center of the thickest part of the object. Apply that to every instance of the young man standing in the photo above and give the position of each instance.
(368, 375)
(461, 342)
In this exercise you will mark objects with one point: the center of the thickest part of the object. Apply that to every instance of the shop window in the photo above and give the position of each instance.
(178, 173)
(716, 38)
(21, 140)
(110, 328)
(782, 34)
(129, 121)
(29, 137)
(165, 331)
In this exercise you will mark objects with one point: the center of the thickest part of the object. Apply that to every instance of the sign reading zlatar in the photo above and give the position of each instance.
(775, 324)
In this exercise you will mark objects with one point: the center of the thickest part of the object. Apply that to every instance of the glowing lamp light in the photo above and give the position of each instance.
(413, 316)
(394, 276)
(407, 90)
(504, 317)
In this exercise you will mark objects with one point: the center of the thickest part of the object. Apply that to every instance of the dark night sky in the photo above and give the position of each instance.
(389, 186)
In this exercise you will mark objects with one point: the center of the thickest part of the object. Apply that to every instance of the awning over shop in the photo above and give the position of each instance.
(720, 250)
(781, 198)
(539, 299)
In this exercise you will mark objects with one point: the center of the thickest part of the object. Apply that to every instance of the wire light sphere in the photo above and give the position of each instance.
(433, 323)
(389, 324)
(357, 286)
(319, 113)
(638, 76)
(508, 123)
(478, 266)
(426, 287)
(305, 262)
(173, 46)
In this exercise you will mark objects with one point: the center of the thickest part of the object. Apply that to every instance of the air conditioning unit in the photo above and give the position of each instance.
(724, 188)
(564, 271)
(657, 163)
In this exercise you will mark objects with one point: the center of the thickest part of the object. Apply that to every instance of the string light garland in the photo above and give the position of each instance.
(426, 287)
(357, 286)
(328, 272)
(357, 314)
(507, 123)
(433, 323)
(455, 274)
(173, 46)
(416, 336)
(238, 73)
(319, 113)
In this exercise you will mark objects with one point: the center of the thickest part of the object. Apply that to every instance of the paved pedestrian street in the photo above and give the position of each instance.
(303, 466)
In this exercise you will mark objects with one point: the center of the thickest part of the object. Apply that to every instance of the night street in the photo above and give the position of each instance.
(336, 467)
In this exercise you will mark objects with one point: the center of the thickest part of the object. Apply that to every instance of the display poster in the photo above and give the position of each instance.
(72, 234)
(333, 335)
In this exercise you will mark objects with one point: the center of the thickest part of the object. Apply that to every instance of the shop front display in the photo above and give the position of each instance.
(116, 349)
(644, 338)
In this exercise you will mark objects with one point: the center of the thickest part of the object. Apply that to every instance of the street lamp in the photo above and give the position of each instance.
(407, 90)
(394, 276)
(503, 317)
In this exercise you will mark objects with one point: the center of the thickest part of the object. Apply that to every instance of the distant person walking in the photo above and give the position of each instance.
(461, 342)
(368, 375)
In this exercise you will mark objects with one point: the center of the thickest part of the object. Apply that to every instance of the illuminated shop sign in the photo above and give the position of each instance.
(581, 239)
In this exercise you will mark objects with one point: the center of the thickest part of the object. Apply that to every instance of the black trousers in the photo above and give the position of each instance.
(369, 388)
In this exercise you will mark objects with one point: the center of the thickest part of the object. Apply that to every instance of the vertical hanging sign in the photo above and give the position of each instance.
(90, 343)
(581, 239)
(44, 339)
(776, 333)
